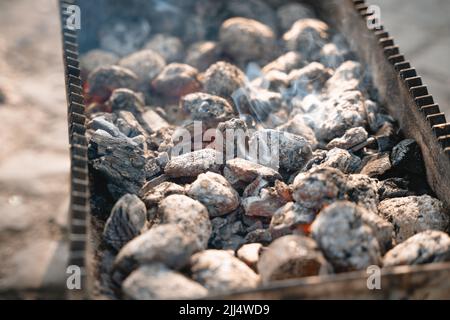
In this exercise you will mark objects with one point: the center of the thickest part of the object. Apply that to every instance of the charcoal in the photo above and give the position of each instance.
(347, 77)
(331, 56)
(233, 133)
(273, 80)
(363, 191)
(152, 121)
(260, 103)
(249, 253)
(209, 109)
(351, 138)
(202, 54)
(255, 188)
(227, 232)
(177, 80)
(382, 230)
(190, 215)
(425, 247)
(161, 139)
(309, 79)
(317, 158)
(125, 222)
(290, 12)
(247, 40)
(306, 36)
(347, 242)
(146, 64)
(215, 192)
(123, 37)
(282, 150)
(285, 63)
(407, 156)
(298, 126)
(168, 47)
(153, 195)
(376, 165)
(104, 80)
(253, 9)
(103, 123)
(262, 236)
(291, 217)
(107, 286)
(157, 282)
(341, 160)
(168, 17)
(3, 98)
(223, 79)
(193, 163)
(319, 187)
(393, 188)
(246, 171)
(165, 243)
(291, 257)
(268, 201)
(128, 125)
(219, 271)
(126, 100)
(413, 214)
(96, 58)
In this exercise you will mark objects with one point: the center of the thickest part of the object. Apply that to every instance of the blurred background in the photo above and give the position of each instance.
(34, 162)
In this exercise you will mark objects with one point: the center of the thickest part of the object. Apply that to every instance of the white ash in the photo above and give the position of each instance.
(249, 253)
(351, 138)
(202, 54)
(105, 124)
(289, 218)
(309, 79)
(273, 80)
(246, 171)
(298, 126)
(414, 214)
(383, 230)
(253, 9)
(96, 58)
(347, 77)
(219, 271)
(285, 63)
(152, 195)
(425, 247)
(363, 191)
(376, 165)
(126, 221)
(347, 242)
(193, 163)
(342, 160)
(168, 47)
(215, 192)
(290, 12)
(177, 80)
(290, 257)
(156, 282)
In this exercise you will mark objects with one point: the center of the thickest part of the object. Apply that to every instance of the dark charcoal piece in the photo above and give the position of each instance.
(393, 188)
(259, 236)
(227, 232)
(126, 100)
(202, 54)
(125, 222)
(223, 79)
(407, 156)
(376, 165)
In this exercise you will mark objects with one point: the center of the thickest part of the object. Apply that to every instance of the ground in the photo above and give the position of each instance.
(34, 162)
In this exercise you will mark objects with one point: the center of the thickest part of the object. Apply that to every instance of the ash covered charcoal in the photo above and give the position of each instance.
(298, 126)
(128, 125)
(228, 232)
(291, 12)
(318, 156)
(247, 40)
(393, 188)
(126, 100)
(278, 149)
(253, 9)
(413, 214)
(425, 247)
(331, 56)
(193, 163)
(123, 37)
(376, 165)
(289, 218)
(106, 124)
(209, 109)
(152, 121)
(238, 169)
(126, 221)
(363, 191)
(309, 79)
(352, 137)
(262, 236)
(177, 80)
(157, 282)
(170, 48)
(259, 103)
(285, 63)
(347, 242)
(190, 215)
(249, 253)
(219, 271)
(223, 79)
(273, 80)
(383, 230)
(347, 77)
(96, 58)
(146, 64)
(233, 133)
(202, 54)
(104, 80)
(215, 192)
(341, 160)
(407, 156)
(290, 257)
(306, 36)
(152, 195)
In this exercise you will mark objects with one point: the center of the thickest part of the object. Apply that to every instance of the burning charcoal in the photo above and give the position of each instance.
(351, 138)
(104, 80)
(289, 13)
(146, 64)
(253, 9)
(246, 171)
(123, 37)
(168, 47)
(426, 247)
(156, 282)
(341, 160)
(309, 79)
(190, 215)
(249, 253)
(96, 58)
(268, 201)
(319, 187)
(376, 165)
(208, 109)
(259, 236)
(381, 229)
(331, 56)
(168, 17)
(247, 40)
(193, 163)
(166, 243)
(407, 156)
(219, 271)
(227, 232)
(393, 188)
(298, 126)
(280, 149)
(362, 190)
(306, 36)
(223, 79)
(411, 215)
(177, 80)
(128, 125)
(215, 192)
(285, 63)
(290, 217)
(347, 242)
(347, 77)
(233, 133)
(125, 222)
(126, 100)
(290, 257)
(202, 54)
